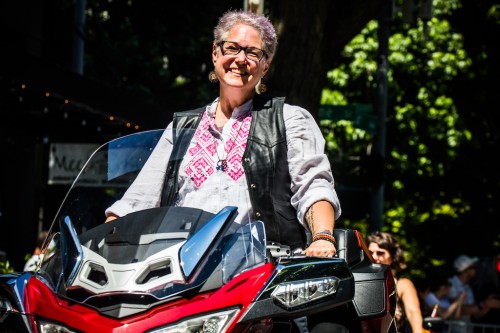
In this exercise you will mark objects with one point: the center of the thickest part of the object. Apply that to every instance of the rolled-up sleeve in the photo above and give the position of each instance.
(145, 192)
(310, 169)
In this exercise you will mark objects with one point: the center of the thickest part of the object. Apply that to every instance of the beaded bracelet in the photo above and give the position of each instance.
(324, 235)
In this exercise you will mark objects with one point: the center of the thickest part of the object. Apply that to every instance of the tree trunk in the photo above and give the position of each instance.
(311, 36)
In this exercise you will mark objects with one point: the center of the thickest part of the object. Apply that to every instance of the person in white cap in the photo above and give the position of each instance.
(465, 268)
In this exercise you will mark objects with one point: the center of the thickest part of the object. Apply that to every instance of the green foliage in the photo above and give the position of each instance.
(5, 267)
(425, 128)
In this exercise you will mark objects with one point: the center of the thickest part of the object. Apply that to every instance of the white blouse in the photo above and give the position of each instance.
(211, 176)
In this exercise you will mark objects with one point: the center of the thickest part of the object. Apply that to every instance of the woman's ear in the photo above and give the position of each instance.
(266, 68)
(214, 53)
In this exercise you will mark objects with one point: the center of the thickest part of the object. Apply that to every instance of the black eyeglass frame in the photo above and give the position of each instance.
(241, 48)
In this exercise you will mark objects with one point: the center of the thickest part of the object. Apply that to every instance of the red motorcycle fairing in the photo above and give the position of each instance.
(239, 292)
(253, 292)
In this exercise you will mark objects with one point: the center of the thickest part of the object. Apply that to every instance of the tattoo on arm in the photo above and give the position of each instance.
(310, 219)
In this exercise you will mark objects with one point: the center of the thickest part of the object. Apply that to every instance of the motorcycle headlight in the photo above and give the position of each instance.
(51, 327)
(298, 293)
(205, 323)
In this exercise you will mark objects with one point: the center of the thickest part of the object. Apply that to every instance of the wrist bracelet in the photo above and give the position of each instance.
(328, 239)
(324, 235)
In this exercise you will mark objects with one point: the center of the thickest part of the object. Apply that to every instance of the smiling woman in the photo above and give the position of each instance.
(233, 149)
(245, 149)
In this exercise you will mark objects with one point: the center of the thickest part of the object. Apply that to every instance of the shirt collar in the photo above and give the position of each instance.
(237, 112)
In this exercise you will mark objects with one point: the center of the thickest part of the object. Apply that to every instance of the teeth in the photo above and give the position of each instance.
(237, 71)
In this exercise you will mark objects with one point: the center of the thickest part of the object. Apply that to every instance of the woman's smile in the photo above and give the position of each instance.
(238, 72)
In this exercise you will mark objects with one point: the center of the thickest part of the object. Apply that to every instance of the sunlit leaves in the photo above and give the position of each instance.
(343, 139)
(5, 267)
(454, 209)
(362, 50)
(445, 7)
(338, 77)
(423, 124)
(494, 13)
(332, 97)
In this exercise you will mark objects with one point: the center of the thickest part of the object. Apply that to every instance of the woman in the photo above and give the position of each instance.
(248, 150)
(386, 250)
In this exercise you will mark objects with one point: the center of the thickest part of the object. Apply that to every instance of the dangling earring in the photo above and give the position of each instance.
(212, 77)
(260, 87)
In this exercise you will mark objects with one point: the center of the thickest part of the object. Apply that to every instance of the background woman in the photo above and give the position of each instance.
(385, 249)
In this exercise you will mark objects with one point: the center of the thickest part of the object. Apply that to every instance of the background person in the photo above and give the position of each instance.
(34, 260)
(385, 249)
(465, 271)
(439, 290)
(423, 289)
(486, 284)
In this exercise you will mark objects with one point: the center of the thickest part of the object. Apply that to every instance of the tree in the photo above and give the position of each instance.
(431, 133)
(312, 35)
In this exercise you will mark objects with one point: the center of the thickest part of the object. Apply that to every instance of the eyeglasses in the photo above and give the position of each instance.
(233, 48)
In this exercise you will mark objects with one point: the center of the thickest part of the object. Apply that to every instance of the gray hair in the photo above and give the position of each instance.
(260, 22)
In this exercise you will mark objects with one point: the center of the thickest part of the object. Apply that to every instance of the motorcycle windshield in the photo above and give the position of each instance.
(145, 256)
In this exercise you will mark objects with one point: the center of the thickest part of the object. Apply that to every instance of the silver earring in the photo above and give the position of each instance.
(212, 77)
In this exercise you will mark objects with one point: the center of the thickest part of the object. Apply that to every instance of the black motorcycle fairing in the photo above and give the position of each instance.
(211, 250)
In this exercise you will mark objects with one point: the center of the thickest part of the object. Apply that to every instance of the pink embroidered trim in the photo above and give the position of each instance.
(203, 154)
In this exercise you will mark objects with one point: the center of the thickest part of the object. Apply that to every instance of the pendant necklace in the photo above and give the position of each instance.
(221, 164)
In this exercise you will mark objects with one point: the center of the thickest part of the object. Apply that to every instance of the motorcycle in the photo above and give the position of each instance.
(179, 269)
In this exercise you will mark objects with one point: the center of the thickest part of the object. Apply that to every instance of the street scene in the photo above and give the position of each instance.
(249, 166)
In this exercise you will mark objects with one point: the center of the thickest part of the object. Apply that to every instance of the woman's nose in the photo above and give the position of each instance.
(241, 57)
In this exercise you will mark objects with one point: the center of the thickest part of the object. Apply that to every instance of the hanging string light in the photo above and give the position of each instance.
(54, 102)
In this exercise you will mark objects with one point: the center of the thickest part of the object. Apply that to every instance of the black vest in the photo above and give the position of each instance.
(265, 165)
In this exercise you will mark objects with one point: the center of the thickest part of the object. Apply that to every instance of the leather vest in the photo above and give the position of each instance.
(265, 165)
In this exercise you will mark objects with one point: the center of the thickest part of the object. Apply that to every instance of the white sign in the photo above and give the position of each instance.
(67, 159)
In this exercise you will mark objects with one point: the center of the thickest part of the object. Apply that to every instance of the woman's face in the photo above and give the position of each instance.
(380, 255)
(237, 71)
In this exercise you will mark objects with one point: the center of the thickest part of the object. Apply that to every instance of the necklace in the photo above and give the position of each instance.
(221, 164)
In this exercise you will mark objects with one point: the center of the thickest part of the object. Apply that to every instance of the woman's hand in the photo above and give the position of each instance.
(111, 218)
(320, 248)
(320, 218)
